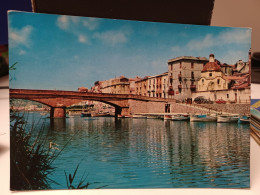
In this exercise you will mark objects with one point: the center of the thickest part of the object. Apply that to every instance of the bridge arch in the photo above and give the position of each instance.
(59, 103)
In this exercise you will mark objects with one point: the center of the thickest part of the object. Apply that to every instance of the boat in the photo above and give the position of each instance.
(139, 116)
(203, 117)
(227, 118)
(244, 119)
(180, 117)
(100, 115)
(155, 116)
(167, 117)
(85, 114)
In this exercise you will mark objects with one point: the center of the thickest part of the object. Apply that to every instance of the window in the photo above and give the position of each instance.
(192, 65)
(202, 81)
(227, 95)
(218, 81)
(180, 64)
(192, 75)
(210, 74)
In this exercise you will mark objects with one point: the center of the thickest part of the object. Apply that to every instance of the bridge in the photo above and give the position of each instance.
(125, 104)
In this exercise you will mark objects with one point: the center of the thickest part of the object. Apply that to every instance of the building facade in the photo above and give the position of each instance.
(212, 78)
(183, 75)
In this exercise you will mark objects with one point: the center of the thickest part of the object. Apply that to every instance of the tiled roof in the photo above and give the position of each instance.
(211, 66)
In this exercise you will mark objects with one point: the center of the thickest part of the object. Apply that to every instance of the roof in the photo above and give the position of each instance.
(187, 58)
(241, 86)
(211, 66)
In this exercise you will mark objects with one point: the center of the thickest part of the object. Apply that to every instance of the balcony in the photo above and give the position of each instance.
(170, 92)
(193, 88)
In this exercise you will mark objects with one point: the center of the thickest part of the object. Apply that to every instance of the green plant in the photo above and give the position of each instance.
(30, 158)
(82, 183)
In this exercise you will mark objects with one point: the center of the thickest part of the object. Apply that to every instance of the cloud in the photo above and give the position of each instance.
(83, 39)
(237, 36)
(22, 52)
(90, 23)
(20, 37)
(63, 22)
(231, 57)
(233, 36)
(113, 37)
(206, 42)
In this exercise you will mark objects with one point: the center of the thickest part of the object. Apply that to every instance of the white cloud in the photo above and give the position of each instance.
(206, 42)
(90, 23)
(113, 37)
(231, 57)
(22, 52)
(63, 22)
(20, 37)
(82, 39)
(236, 36)
(233, 36)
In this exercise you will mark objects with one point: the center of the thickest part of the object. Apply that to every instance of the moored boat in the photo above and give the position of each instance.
(227, 118)
(139, 116)
(244, 119)
(180, 117)
(167, 117)
(203, 117)
(85, 114)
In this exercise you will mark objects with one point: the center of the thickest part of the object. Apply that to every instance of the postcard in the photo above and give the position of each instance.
(116, 104)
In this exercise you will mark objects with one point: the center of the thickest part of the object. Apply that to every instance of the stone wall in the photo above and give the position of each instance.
(186, 108)
(230, 108)
(146, 107)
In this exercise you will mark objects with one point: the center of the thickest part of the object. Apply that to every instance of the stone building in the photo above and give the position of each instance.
(212, 77)
(141, 86)
(215, 84)
(118, 85)
(183, 75)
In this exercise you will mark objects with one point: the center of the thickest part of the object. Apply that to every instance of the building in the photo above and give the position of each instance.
(183, 75)
(215, 84)
(212, 77)
(141, 86)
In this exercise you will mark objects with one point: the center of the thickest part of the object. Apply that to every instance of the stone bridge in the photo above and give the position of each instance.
(125, 104)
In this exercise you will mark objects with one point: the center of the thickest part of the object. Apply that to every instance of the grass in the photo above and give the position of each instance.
(30, 158)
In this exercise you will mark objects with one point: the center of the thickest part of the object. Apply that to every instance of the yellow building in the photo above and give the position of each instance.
(212, 78)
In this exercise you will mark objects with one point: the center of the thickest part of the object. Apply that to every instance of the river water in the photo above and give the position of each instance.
(149, 153)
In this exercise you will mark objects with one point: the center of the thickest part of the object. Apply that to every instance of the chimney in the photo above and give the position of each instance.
(211, 58)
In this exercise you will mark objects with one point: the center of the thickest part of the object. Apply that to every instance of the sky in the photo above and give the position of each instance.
(66, 52)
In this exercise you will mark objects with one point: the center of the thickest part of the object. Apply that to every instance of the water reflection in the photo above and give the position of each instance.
(150, 153)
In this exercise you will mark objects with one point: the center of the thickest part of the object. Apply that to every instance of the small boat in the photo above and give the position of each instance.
(139, 116)
(154, 116)
(244, 119)
(227, 118)
(85, 114)
(203, 118)
(100, 114)
(167, 117)
(180, 117)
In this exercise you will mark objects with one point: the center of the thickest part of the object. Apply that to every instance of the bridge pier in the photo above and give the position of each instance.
(58, 112)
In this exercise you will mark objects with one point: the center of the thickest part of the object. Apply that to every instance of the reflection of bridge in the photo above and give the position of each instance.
(125, 104)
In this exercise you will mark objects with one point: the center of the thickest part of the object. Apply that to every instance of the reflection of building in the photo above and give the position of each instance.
(184, 73)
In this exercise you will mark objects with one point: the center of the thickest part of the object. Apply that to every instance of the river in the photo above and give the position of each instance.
(149, 153)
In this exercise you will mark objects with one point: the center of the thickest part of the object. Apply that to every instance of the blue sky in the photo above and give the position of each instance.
(66, 52)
